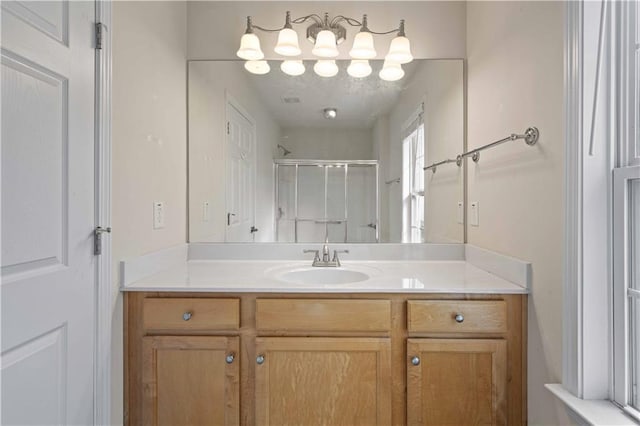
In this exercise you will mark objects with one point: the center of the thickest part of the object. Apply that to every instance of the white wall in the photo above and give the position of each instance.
(515, 80)
(439, 84)
(444, 139)
(328, 143)
(209, 85)
(436, 28)
(149, 141)
(380, 138)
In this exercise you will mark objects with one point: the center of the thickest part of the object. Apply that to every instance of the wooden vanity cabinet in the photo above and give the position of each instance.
(339, 376)
(183, 361)
(325, 359)
(456, 382)
(323, 381)
(458, 371)
(190, 380)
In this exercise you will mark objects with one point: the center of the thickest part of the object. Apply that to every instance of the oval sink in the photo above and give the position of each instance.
(323, 276)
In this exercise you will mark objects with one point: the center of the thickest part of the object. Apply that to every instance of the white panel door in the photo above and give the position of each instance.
(48, 267)
(240, 185)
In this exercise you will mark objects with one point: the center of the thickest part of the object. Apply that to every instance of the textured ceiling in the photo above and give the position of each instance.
(358, 100)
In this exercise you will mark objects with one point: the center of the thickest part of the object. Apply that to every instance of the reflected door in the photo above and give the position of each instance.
(240, 171)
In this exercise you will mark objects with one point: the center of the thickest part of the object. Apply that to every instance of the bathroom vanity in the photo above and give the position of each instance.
(417, 342)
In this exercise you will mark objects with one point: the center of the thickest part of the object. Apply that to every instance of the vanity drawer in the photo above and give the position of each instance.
(284, 315)
(452, 316)
(190, 314)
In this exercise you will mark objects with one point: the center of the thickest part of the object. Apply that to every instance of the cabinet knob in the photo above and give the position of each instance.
(187, 316)
(230, 358)
(415, 360)
(459, 318)
(260, 359)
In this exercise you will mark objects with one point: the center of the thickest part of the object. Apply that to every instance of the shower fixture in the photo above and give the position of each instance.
(285, 151)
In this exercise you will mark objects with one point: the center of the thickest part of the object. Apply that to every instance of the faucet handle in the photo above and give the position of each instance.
(335, 255)
(316, 258)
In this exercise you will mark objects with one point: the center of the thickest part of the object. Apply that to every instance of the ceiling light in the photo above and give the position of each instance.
(287, 40)
(330, 113)
(326, 68)
(326, 34)
(391, 71)
(250, 45)
(257, 67)
(359, 68)
(292, 67)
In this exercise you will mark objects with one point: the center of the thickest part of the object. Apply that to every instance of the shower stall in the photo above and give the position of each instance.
(318, 199)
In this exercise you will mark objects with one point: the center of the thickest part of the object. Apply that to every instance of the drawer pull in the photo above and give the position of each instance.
(260, 359)
(415, 360)
(459, 318)
(187, 316)
(230, 358)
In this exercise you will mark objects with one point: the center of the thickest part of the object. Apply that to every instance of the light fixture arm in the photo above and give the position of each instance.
(324, 22)
(249, 29)
(288, 21)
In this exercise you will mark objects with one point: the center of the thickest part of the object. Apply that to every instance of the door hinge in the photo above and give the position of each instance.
(97, 239)
(228, 128)
(99, 35)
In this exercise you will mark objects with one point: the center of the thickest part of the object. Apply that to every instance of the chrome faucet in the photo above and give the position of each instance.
(326, 260)
(325, 250)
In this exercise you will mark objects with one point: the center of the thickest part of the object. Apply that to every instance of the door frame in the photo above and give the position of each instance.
(230, 101)
(106, 294)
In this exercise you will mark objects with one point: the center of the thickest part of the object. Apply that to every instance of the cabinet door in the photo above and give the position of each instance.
(323, 381)
(456, 382)
(190, 380)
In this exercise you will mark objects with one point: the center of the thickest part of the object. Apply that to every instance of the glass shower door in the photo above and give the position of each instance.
(325, 199)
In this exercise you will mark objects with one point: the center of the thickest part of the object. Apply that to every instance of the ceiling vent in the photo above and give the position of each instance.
(291, 100)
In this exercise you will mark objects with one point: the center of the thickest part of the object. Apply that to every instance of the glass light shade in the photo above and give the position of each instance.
(293, 67)
(325, 46)
(287, 43)
(359, 68)
(363, 46)
(250, 48)
(391, 71)
(326, 68)
(257, 67)
(400, 51)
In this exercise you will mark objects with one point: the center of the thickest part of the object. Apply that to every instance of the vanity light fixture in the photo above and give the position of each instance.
(292, 67)
(391, 71)
(326, 68)
(326, 34)
(359, 68)
(257, 67)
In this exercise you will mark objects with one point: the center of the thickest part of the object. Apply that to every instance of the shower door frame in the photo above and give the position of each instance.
(337, 163)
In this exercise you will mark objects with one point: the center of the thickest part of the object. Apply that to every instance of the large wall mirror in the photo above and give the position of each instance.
(281, 158)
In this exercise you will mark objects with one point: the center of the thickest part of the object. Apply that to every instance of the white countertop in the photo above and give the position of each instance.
(261, 276)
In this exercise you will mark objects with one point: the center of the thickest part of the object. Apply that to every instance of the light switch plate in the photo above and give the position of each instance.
(205, 211)
(460, 212)
(474, 215)
(158, 214)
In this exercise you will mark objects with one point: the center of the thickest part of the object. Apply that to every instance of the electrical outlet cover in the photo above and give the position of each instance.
(474, 214)
(158, 214)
